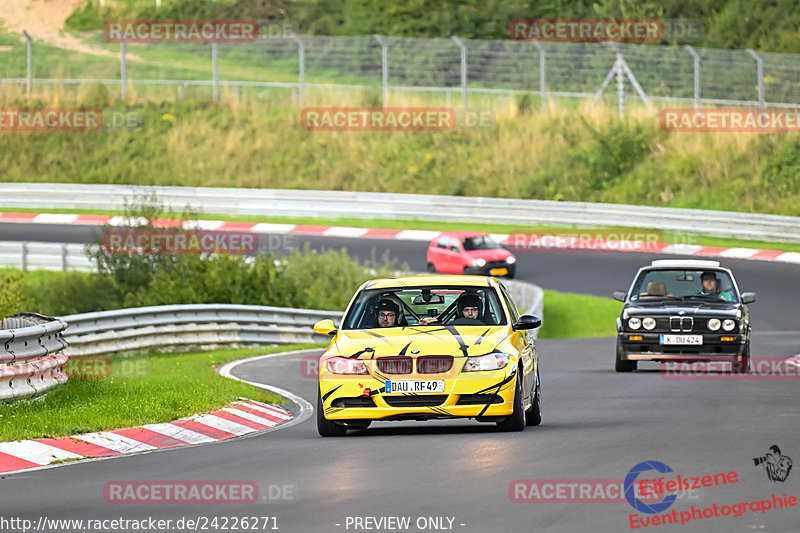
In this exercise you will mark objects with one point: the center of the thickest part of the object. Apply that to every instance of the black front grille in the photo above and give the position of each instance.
(496, 264)
(478, 399)
(430, 400)
(434, 364)
(355, 401)
(395, 365)
(681, 323)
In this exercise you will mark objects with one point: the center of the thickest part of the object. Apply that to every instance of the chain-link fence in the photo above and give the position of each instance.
(379, 70)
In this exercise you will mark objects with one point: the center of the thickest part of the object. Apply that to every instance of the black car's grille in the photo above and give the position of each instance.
(434, 364)
(355, 401)
(496, 264)
(478, 399)
(431, 400)
(681, 323)
(395, 365)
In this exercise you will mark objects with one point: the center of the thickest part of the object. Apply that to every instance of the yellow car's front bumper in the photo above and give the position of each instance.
(481, 394)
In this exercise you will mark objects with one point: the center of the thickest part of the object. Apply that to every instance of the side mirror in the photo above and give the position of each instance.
(325, 327)
(619, 295)
(748, 297)
(527, 322)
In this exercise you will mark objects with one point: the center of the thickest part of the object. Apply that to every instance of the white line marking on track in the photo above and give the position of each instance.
(54, 218)
(741, 253)
(220, 423)
(343, 231)
(264, 227)
(115, 442)
(249, 416)
(416, 235)
(176, 432)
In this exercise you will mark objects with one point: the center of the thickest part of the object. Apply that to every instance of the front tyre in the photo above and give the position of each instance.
(622, 365)
(742, 363)
(515, 422)
(533, 416)
(325, 427)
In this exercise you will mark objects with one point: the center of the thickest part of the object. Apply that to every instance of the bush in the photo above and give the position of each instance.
(10, 293)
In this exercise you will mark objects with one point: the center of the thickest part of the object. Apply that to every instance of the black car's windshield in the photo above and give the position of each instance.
(480, 243)
(414, 303)
(684, 285)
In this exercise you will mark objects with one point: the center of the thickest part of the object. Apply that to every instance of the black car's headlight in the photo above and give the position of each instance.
(728, 325)
(649, 323)
(713, 324)
(634, 323)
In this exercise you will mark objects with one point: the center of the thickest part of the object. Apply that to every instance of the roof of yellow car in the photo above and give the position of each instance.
(438, 280)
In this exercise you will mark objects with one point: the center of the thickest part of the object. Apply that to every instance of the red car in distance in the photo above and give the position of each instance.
(462, 252)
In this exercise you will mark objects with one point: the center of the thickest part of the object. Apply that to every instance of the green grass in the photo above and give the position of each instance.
(174, 385)
(575, 315)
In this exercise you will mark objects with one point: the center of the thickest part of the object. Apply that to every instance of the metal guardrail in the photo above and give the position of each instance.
(335, 204)
(191, 326)
(31, 358)
(44, 255)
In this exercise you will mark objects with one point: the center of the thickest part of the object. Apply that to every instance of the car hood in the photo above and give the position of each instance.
(458, 341)
(709, 309)
(497, 254)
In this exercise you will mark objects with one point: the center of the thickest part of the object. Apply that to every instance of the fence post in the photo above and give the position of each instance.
(542, 76)
(215, 70)
(696, 76)
(29, 88)
(301, 57)
(463, 71)
(123, 68)
(63, 257)
(384, 69)
(24, 257)
(760, 74)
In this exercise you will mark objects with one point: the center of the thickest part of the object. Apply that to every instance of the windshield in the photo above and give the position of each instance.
(480, 243)
(419, 302)
(684, 285)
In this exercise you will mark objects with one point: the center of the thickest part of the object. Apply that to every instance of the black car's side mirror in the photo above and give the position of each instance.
(527, 322)
(619, 295)
(748, 297)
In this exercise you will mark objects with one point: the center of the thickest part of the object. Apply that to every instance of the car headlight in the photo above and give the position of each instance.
(344, 365)
(478, 262)
(511, 259)
(649, 323)
(490, 361)
(634, 323)
(713, 324)
(728, 325)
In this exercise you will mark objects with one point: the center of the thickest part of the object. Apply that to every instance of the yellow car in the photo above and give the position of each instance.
(426, 347)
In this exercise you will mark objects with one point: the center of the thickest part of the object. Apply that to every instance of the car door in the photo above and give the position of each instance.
(525, 342)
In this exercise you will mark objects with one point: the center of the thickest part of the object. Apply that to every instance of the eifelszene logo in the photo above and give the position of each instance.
(777, 466)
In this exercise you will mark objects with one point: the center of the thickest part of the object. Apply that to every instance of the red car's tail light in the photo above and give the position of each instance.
(395, 365)
(434, 364)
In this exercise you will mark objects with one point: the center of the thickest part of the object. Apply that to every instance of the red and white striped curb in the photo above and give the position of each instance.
(412, 235)
(237, 419)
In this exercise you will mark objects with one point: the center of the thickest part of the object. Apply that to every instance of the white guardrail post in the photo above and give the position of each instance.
(31, 355)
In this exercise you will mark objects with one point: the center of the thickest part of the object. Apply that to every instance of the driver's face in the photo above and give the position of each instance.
(386, 319)
(470, 312)
(709, 284)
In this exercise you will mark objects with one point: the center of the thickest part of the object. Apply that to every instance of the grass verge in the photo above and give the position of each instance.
(144, 389)
(569, 316)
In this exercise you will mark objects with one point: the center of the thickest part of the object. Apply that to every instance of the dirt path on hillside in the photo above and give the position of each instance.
(44, 20)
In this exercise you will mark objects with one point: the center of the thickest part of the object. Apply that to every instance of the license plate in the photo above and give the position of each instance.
(498, 272)
(680, 339)
(414, 385)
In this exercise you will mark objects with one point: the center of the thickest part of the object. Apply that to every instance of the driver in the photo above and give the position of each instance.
(711, 286)
(387, 312)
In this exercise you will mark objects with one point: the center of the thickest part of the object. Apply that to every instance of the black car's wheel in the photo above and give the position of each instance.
(533, 416)
(431, 268)
(325, 427)
(742, 363)
(515, 422)
(622, 365)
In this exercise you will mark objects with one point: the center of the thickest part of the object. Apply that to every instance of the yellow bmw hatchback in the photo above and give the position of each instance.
(428, 347)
